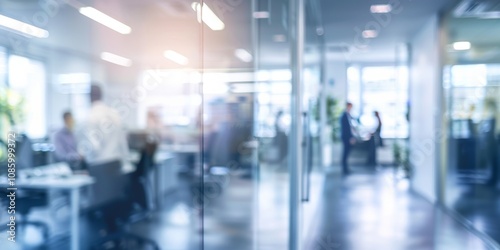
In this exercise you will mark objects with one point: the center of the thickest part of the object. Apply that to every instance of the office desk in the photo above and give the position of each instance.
(72, 183)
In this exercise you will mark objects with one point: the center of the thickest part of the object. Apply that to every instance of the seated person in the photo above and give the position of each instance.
(65, 143)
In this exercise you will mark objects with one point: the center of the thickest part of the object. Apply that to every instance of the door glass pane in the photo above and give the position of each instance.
(272, 111)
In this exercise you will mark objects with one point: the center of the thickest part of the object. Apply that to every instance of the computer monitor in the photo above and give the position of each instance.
(24, 152)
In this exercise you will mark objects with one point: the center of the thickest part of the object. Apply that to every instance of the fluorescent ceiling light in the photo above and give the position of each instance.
(261, 14)
(243, 55)
(280, 38)
(24, 28)
(461, 45)
(116, 59)
(370, 33)
(105, 20)
(490, 15)
(380, 8)
(206, 15)
(175, 57)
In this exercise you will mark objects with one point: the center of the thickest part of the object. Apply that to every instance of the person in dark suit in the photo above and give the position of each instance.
(347, 137)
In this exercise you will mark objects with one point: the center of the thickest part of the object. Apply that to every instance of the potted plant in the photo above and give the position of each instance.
(332, 129)
(401, 154)
(11, 107)
(333, 113)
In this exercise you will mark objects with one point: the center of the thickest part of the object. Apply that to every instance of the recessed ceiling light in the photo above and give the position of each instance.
(370, 33)
(380, 8)
(243, 55)
(205, 14)
(175, 57)
(23, 28)
(105, 20)
(461, 45)
(116, 59)
(261, 14)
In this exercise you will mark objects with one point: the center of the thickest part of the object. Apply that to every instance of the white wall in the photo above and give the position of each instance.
(425, 84)
(336, 72)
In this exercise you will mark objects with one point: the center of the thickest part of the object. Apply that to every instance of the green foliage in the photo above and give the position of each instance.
(11, 111)
(11, 107)
(333, 113)
(401, 156)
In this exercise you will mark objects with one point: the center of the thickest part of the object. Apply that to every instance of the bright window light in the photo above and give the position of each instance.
(105, 20)
(206, 15)
(23, 28)
(243, 55)
(116, 59)
(370, 33)
(219, 88)
(73, 78)
(461, 46)
(380, 8)
(175, 57)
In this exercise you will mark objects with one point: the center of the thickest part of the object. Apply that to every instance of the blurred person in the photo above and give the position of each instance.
(65, 144)
(374, 142)
(488, 139)
(103, 136)
(347, 136)
(378, 138)
(280, 140)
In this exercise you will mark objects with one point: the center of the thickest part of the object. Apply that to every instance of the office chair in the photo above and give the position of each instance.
(25, 202)
(111, 204)
(26, 199)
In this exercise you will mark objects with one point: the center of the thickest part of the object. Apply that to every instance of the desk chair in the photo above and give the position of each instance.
(26, 200)
(117, 209)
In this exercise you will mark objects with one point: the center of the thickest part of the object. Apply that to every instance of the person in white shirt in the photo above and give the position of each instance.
(103, 137)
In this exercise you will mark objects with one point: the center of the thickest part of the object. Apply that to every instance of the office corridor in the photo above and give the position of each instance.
(373, 210)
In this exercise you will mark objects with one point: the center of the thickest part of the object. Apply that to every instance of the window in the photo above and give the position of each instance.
(27, 77)
(3, 67)
(383, 89)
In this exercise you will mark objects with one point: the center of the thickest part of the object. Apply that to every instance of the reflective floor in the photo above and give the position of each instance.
(368, 209)
(479, 205)
(372, 210)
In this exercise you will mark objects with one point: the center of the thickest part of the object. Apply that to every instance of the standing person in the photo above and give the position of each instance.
(374, 142)
(103, 136)
(378, 138)
(65, 143)
(280, 141)
(347, 137)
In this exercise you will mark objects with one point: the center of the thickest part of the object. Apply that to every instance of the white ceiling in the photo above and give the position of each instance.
(344, 19)
(158, 25)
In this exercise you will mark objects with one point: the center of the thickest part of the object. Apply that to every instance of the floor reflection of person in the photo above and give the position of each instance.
(347, 136)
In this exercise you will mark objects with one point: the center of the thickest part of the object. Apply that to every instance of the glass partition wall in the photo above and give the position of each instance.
(225, 91)
(471, 82)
